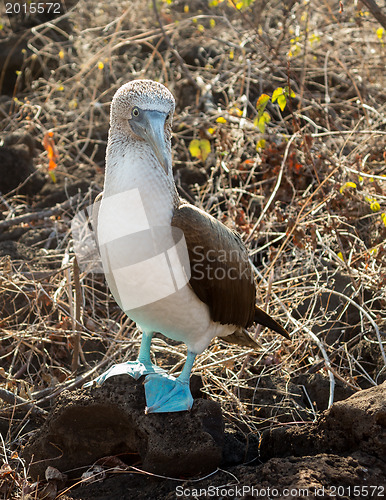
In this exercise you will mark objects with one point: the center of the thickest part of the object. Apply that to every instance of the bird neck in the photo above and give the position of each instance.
(131, 165)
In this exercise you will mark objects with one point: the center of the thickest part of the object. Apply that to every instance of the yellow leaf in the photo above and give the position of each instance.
(314, 38)
(340, 255)
(375, 206)
(262, 101)
(231, 54)
(212, 23)
(260, 145)
(282, 102)
(186, 9)
(379, 33)
(194, 148)
(263, 120)
(276, 93)
(236, 111)
(100, 65)
(211, 130)
(61, 54)
(73, 104)
(383, 217)
(294, 50)
(221, 119)
(347, 185)
(200, 148)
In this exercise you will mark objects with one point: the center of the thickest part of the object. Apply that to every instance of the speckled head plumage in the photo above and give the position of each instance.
(140, 131)
(145, 94)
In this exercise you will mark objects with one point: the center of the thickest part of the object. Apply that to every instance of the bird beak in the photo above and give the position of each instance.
(151, 127)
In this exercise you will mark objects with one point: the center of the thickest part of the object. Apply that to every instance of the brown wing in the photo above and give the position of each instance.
(221, 274)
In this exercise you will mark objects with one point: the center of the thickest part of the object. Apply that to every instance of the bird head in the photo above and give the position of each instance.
(143, 110)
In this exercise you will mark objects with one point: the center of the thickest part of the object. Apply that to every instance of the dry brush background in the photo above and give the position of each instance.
(310, 202)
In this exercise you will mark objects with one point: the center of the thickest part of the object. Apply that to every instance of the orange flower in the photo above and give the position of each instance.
(49, 146)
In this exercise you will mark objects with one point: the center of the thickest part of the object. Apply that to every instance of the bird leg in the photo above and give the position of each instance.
(142, 366)
(168, 394)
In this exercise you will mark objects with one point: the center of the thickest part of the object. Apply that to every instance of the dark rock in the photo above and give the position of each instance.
(317, 387)
(234, 451)
(275, 399)
(16, 165)
(359, 422)
(370, 358)
(341, 320)
(191, 175)
(241, 445)
(355, 424)
(36, 237)
(28, 258)
(312, 477)
(89, 424)
(69, 182)
(14, 54)
(200, 55)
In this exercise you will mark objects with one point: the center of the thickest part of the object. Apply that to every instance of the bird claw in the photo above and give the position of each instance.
(135, 369)
(165, 393)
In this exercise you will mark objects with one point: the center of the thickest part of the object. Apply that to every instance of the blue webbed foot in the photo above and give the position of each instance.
(165, 393)
(133, 368)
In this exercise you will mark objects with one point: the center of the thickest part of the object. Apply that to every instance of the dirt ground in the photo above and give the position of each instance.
(310, 203)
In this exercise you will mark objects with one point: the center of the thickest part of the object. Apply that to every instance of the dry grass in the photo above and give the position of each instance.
(319, 252)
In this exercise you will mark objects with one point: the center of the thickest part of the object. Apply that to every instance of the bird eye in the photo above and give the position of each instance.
(135, 112)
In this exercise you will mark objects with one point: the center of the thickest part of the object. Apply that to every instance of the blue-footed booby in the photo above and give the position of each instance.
(170, 266)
